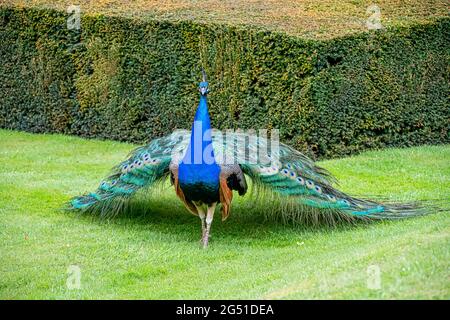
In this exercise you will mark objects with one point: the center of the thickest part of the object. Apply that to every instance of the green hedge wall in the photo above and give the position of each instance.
(133, 80)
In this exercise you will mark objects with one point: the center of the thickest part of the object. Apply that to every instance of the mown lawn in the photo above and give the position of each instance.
(157, 255)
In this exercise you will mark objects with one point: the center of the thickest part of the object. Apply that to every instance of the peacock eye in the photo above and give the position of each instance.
(309, 184)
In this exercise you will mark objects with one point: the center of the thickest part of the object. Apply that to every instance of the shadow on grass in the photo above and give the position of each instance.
(247, 223)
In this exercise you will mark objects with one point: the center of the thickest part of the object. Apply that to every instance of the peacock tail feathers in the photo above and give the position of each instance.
(296, 188)
(302, 190)
(145, 167)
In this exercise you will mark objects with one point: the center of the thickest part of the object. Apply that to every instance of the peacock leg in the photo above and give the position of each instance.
(202, 216)
(209, 219)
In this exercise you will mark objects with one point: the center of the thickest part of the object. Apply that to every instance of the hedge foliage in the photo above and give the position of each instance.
(133, 80)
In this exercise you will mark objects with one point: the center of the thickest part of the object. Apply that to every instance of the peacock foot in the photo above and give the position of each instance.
(204, 241)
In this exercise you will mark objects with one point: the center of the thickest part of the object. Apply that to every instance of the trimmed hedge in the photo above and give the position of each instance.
(133, 80)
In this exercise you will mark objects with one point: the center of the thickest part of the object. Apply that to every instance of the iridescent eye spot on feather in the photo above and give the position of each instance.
(301, 181)
(292, 175)
(154, 161)
(318, 189)
(114, 182)
(346, 202)
(309, 184)
(285, 172)
(125, 168)
(331, 197)
(278, 165)
(269, 171)
(289, 166)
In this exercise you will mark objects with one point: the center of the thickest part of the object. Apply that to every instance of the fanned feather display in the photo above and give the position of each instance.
(301, 188)
(144, 168)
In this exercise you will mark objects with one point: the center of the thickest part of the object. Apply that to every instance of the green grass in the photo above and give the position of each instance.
(157, 255)
(315, 19)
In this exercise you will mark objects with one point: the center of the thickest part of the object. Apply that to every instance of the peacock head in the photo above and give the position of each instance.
(203, 87)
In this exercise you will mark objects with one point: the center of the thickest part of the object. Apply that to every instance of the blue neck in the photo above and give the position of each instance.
(200, 137)
(198, 172)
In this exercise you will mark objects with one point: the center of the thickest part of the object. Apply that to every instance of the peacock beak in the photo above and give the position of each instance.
(203, 90)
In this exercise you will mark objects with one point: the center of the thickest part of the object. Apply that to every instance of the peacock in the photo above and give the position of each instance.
(206, 166)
